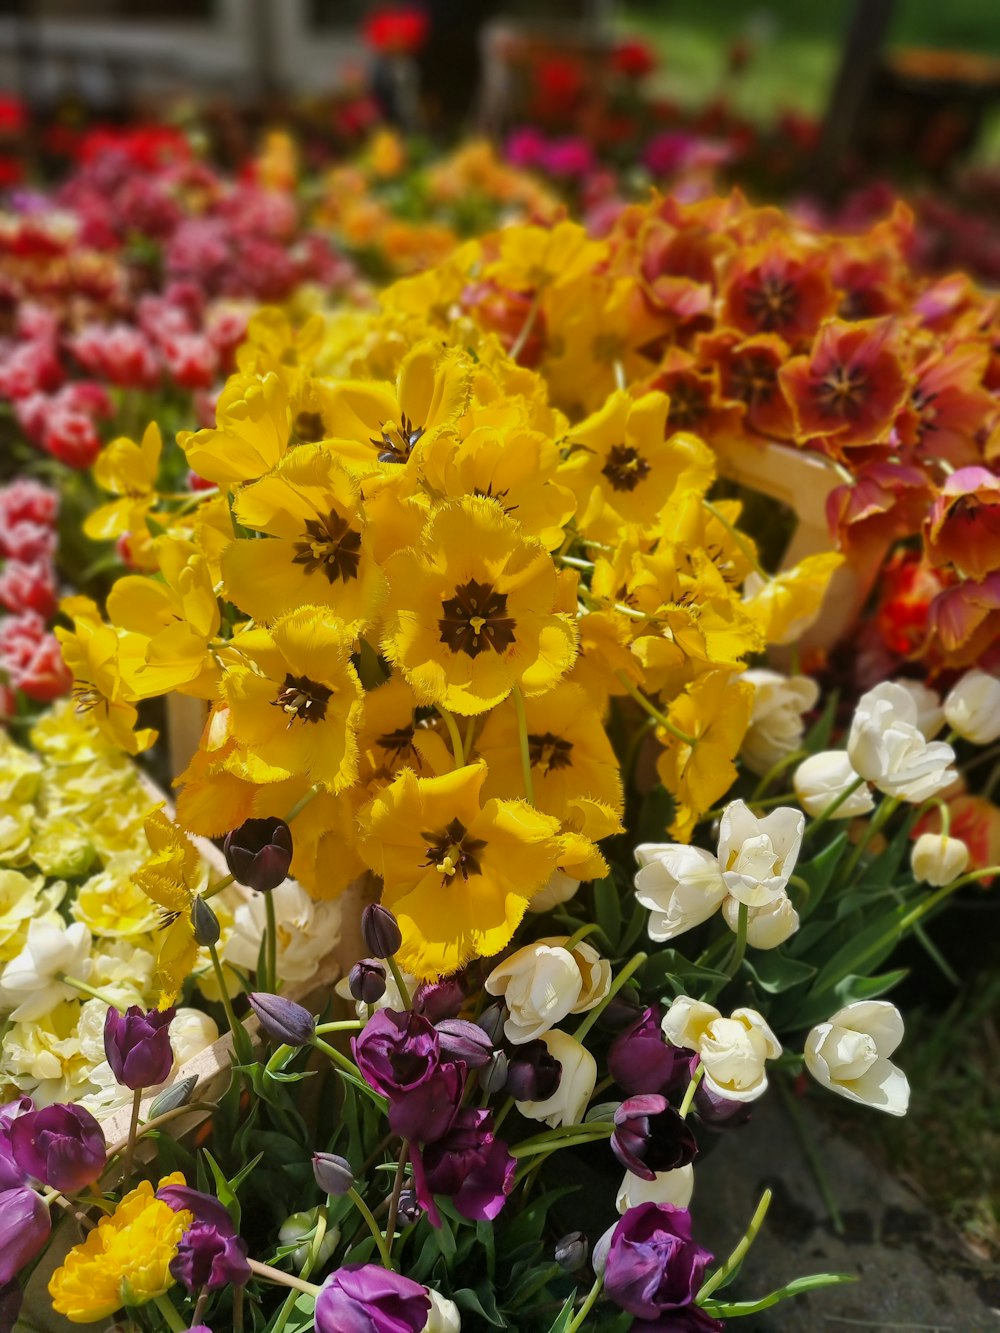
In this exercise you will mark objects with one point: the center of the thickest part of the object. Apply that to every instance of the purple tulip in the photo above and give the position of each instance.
(533, 1073)
(24, 1229)
(367, 980)
(283, 1020)
(440, 999)
(210, 1258)
(649, 1136)
(690, 1319)
(640, 1060)
(653, 1265)
(365, 1298)
(62, 1146)
(11, 1175)
(259, 853)
(396, 1052)
(137, 1045)
(380, 931)
(465, 1041)
(426, 1111)
(206, 1209)
(468, 1165)
(717, 1112)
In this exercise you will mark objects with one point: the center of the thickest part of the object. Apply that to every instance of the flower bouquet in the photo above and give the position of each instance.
(485, 678)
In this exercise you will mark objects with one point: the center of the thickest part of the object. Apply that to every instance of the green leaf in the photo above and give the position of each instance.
(608, 909)
(226, 1189)
(867, 988)
(564, 1318)
(655, 815)
(800, 1285)
(775, 972)
(819, 871)
(818, 736)
(868, 948)
(483, 1304)
(669, 968)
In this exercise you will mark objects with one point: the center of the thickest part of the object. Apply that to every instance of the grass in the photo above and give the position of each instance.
(796, 48)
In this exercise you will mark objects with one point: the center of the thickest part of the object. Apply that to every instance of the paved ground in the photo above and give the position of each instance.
(911, 1275)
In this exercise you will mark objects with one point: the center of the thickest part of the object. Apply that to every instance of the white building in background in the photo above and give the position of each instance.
(105, 52)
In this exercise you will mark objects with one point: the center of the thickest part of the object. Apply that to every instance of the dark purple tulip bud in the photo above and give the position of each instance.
(717, 1112)
(367, 981)
(24, 1229)
(380, 931)
(396, 1052)
(208, 1260)
(409, 1210)
(621, 1010)
(440, 999)
(491, 1020)
(571, 1251)
(137, 1045)
(204, 923)
(653, 1265)
(259, 853)
(469, 1165)
(62, 1146)
(366, 1298)
(533, 1074)
(640, 1060)
(649, 1136)
(461, 1040)
(283, 1020)
(425, 1112)
(493, 1076)
(333, 1174)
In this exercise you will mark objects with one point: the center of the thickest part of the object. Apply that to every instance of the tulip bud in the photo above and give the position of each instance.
(493, 1075)
(333, 1174)
(533, 1075)
(380, 930)
(137, 1045)
(937, 859)
(972, 707)
(178, 1094)
(650, 1137)
(491, 1020)
(409, 1210)
(461, 1040)
(571, 1251)
(302, 1227)
(440, 999)
(283, 1020)
(204, 923)
(24, 1229)
(367, 981)
(717, 1112)
(259, 853)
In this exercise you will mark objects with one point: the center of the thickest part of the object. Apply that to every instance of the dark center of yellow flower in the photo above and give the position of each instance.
(753, 379)
(309, 426)
(332, 545)
(398, 743)
(549, 752)
(303, 699)
(625, 467)
(476, 619)
(453, 852)
(395, 444)
(688, 405)
(842, 391)
(772, 303)
(491, 494)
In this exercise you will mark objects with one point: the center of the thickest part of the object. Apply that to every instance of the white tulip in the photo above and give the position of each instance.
(576, 1086)
(599, 1254)
(191, 1032)
(756, 856)
(29, 984)
(930, 714)
(733, 1050)
(681, 886)
(541, 984)
(443, 1316)
(972, 707)
(821, 778)
(887, 747)
(776, 726)
(674, 1187)
(767, 926)
(307, 931)
(560, 888)
(849, 1055)
(937, 859)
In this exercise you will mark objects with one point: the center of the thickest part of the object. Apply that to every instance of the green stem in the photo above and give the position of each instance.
(633, 965)
(271, 982)
(736, 956)
(84, 989)
(282, 1279)
(689, 1092)
(522, 736)
(132, 1127)
(373, 1226)
(589, 929)
(575, 562)
(397, 1189)
(457, 749)
(885, 811)
(659, 718)
(241, 1042)
(585, 1309)
(401, 986)
(740, 539)
(170, 1315)
(311, 1260)
(739, 1254)
(342, 1025)
(349, 1070)
(812, 1156)
(530, 1147)
(775, 771)
(830, 810)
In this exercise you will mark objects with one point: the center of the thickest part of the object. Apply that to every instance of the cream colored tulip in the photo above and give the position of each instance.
(681, 887)
(767, 926)
(937, 859)
(822, 778)
(849, 1055)
(972, 707)
(776, 724)
(756, 856)
(576, 1086)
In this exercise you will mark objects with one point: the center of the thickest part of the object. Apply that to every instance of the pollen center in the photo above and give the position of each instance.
(549, 752)
(625, 467)
(842, 391)
(452, 852)
(303, 699)
(329, 544)
(396, 442)
(772, 304)
(476, 619)
(752, 379)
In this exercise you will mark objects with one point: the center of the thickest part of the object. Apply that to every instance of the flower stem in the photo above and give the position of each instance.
(589, 929)
(659, 718)
(738, 1255)
(530, 1147)
(888, 807)
(349, 1070)
(775, 771)
(373, 1226)
(830, 810)
(457, 749)
(271, 982)
(397, 1189)
(84, 989)
(689, 1092)
(133, 1126)
(401, 986)
(283, 1279)
(522, 737)
(585, 1309)
(241, 1042)
(812, 1156)
(517, 347)
(170, 1315)
(311, 1259)
(740, 539)
(342, 1025)
(633, 965)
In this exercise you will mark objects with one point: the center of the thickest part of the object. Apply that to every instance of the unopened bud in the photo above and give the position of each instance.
(178, 1094)
(571, 1251)
(493, 1076)
(409, 1210)
(380, 930)
(205, 924)
(259, 853)
(491, 1020)
(533, 1074)
(333, 1174)
(283, 1020)
(367, 981)
(462, 1040)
